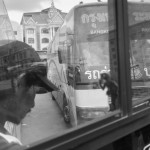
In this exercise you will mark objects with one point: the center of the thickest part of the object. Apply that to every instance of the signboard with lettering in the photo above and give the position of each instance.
(99, 20)
(138, 12)
(91, 20)
(91, 74)
(139, 20)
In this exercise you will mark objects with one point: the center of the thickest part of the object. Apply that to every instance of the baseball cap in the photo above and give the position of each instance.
(18, 58)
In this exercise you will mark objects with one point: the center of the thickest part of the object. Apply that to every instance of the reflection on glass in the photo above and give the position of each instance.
(19, 64)
(82, 64)
(139, 30)
(96, 87)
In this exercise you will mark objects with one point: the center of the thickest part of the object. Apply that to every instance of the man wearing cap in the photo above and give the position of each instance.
(17, 99)
(13, 107)
(21, 72)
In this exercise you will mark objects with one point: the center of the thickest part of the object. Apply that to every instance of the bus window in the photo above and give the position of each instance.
(139, 30)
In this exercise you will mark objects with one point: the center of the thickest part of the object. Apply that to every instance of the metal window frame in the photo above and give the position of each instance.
(124, 56)
(31, 40)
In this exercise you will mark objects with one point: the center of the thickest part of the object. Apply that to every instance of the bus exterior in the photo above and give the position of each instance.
(76, 60)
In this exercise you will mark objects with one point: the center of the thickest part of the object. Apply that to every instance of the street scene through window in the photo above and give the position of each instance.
(61, 72)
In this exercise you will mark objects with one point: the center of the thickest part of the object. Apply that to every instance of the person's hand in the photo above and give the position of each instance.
(34, 73)
(37, 76)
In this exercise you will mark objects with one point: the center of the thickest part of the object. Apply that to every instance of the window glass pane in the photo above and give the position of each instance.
(15, 32)
(139, 31)
(56, 28)
(30, 31)
(44, 49)
(82, 68)
(30, 40)
(45, 31)
(45, 40)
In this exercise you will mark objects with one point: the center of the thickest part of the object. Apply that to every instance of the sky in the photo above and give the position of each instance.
(16, 8)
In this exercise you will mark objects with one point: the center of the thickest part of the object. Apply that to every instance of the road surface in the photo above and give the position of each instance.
(44, 121)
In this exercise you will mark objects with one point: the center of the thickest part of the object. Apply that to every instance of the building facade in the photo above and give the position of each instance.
(6, 32)
(17, 29)
(40, 27)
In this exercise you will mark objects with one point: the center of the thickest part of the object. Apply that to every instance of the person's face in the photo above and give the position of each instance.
(21, 104)
(103, 81)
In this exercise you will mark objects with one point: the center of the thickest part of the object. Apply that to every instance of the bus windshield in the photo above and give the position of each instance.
(92, 44)
(94, 53)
